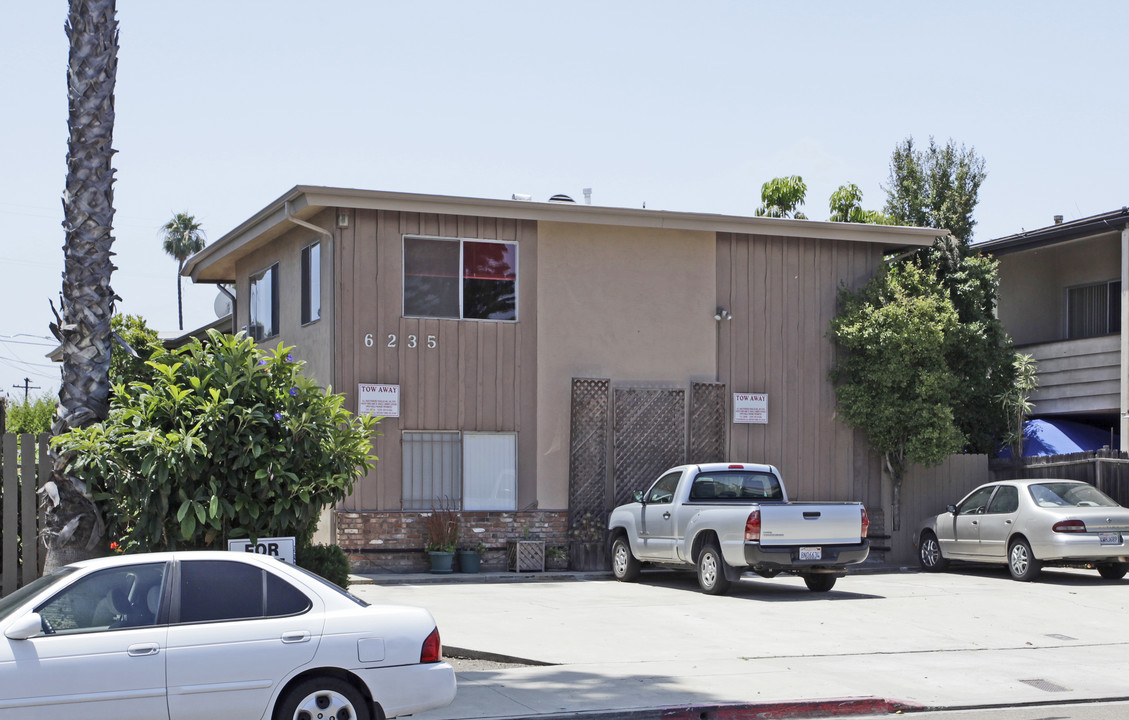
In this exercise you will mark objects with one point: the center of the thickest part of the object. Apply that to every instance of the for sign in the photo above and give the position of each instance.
(282, 548)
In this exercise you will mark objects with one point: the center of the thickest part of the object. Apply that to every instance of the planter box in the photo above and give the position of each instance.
(527, 555)
(587, 557)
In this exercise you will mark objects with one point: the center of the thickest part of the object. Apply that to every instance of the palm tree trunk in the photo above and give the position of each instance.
(73, 522)
(179, 299)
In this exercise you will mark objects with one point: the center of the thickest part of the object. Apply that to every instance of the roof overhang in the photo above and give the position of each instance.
(216, 262)
(1087, 227)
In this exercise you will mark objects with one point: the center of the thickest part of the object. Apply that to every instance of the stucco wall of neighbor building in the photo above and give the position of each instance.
(1033, 284)
(630, 304)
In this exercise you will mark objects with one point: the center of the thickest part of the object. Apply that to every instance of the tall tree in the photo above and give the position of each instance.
(846, 206)
(74, 526)
(782, 197)
(182, 237)
(935, 187)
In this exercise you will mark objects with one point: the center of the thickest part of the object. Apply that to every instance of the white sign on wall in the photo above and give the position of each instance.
(750, 408)
(378, 400)
(281, 547)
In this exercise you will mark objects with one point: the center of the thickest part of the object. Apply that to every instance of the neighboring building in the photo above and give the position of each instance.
(551, 358)
(1062, 292)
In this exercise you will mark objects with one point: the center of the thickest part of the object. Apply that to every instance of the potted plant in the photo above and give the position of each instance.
(527, 554)
(586, 549)
(470, 559)
(442, 529)
(556, 557)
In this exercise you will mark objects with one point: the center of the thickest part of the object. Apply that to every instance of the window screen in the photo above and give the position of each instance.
(489, 471)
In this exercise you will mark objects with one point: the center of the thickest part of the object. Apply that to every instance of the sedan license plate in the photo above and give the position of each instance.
(811, 553)
(1109, 538)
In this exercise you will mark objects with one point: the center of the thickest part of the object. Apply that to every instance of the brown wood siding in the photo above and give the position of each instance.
(783, 293)
(481, 376)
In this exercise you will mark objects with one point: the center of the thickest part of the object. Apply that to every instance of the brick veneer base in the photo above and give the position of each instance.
(393, 541)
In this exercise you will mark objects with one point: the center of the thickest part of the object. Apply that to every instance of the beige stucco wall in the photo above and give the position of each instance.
(1033, 284)
(629, 304)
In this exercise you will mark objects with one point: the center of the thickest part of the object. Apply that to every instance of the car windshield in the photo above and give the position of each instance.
(9, 603)
(1063, 494)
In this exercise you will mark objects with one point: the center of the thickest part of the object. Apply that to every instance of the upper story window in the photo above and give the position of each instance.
(1093, 310)
(263, 305)
(460, 279)
(311, 283)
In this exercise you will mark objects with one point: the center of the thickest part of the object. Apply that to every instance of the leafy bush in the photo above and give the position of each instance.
(32, 416)
(222, 440)
(329, 561)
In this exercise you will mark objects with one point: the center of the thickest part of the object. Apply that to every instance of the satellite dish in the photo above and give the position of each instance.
(222, 305)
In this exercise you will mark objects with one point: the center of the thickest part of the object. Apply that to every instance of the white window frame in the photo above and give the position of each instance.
(274, 327)
(310, 309)
(461, 241)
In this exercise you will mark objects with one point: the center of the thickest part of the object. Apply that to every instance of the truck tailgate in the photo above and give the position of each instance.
(811, 524)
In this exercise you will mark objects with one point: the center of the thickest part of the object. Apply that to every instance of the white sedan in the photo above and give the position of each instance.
(212, 634)
(1027, 524)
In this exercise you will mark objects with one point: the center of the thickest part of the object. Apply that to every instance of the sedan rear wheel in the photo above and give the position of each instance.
(322, 698)
(1021, 561)
(929, 553)
(711, 571)
(624, 565)
(1113, 571)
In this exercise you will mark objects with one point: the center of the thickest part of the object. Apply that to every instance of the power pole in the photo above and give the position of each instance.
(28, 387)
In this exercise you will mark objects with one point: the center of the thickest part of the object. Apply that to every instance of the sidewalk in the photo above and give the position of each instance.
(877, 643)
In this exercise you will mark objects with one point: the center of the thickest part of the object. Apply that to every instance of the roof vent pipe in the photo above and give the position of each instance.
(1058, 219)
(587, 196)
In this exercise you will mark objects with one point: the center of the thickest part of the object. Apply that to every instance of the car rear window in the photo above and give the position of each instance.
(1066, 494)
(736, 485)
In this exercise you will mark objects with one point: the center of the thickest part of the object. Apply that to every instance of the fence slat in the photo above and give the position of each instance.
(29, 530)
(9, 529)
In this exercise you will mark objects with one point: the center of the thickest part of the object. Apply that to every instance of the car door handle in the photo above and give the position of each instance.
(143, 649)
(666, 516)
(298, 636)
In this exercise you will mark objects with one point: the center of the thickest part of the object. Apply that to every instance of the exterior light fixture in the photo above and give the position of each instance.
(722, 314)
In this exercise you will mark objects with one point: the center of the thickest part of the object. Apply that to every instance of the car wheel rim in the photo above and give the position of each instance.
(709, 569)
(1019, 559)
(929, 553)
(325, 705)
(620, 559)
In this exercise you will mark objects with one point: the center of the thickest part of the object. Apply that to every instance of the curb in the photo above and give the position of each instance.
(828, 707)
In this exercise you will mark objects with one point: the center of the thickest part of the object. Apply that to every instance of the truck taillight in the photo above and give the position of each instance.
(753, 527)
(865, 523)
(432, 651)
(1069, 526)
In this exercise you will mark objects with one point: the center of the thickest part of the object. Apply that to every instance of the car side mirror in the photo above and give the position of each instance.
(951, 509)
(638, 496)
(28, 626)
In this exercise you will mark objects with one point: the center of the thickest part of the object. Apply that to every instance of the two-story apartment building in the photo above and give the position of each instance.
(1062, 300)
(539, 361)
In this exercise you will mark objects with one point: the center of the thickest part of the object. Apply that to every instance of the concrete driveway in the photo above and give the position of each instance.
(966, 638)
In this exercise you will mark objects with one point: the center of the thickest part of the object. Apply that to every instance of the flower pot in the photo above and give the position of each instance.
(469, 561)
(441, 562)
(587, 556)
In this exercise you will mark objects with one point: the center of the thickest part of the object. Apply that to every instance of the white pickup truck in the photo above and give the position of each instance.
(723, 519)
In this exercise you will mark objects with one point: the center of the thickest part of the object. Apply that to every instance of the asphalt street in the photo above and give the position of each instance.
(913, 641)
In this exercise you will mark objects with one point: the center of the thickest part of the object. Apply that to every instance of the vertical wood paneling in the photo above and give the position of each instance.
(527, 370)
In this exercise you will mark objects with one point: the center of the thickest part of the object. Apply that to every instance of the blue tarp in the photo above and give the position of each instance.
(1061, 437)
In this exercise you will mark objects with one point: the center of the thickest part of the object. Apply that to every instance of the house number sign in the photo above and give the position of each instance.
(411, 341)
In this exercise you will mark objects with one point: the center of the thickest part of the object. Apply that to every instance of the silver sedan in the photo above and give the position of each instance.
(1029, 524)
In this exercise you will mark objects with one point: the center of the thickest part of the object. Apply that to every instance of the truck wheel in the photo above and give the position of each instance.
(1021, 561)
(1112, 571)
(929, 553)
(711, 571)
(819, 582)
(624, 565)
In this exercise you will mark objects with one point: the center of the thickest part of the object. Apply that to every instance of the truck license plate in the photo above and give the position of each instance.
(1109, 538)
(816, 553)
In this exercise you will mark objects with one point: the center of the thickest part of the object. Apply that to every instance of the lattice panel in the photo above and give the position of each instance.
(707, 423)
(588, 450)
(649, 436)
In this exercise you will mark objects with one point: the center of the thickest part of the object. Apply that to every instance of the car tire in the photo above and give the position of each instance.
(1021, 562)
(322, 697)
(929, 553)
(819, 582)
(1113, 571)
(625, 566)
(711, 571)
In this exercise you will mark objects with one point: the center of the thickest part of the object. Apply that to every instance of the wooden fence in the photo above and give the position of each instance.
(23, 461)
(1107, 470)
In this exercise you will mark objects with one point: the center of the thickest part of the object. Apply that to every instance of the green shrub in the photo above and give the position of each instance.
(329, 561)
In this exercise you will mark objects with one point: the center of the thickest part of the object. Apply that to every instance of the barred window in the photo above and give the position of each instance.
(468, 471)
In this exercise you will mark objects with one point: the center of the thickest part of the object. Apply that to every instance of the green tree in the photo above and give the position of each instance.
(782, 197)
(935, 187)
(127, 367)
(1016, 401)
(182, 237)
(892, 380)
(73, 527)
(223, 441)
(33, 416)
(846, 206)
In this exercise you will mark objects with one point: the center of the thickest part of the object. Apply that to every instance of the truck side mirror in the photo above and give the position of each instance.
(637, 496)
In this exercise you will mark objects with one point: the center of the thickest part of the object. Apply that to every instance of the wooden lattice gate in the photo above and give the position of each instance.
(648, 436)
(588, 450)
(707, 423)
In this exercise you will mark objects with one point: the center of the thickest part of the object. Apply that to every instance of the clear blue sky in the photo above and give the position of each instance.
(222, 105)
